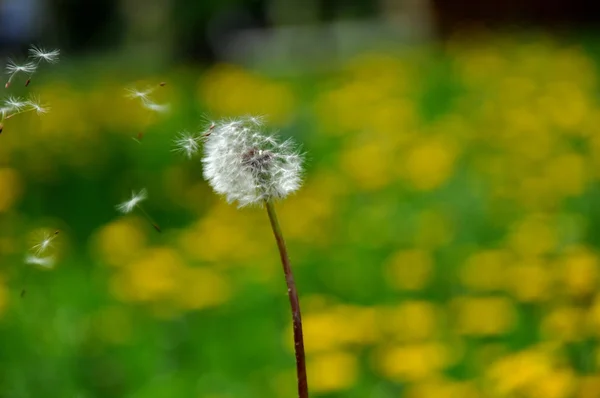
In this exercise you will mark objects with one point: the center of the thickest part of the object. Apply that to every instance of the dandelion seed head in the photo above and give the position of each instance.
(44, 242)
(14, 103)
(128, 206)
(13, 68)
(36, 105)
(143, 95)
(187, 144)
(41, 54)
(248, 166)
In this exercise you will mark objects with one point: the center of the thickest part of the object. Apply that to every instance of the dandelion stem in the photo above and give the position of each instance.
(294, 302)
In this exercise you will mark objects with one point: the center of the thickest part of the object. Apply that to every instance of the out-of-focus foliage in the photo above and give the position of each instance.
(445, 242)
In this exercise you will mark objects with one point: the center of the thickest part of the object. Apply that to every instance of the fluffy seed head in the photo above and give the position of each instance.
(36, 105)
(248, 166)
(143, 95)
(13, 68)
(136, 198)
(44, 242)
(14, 103)
(41, 54)
(187, 144)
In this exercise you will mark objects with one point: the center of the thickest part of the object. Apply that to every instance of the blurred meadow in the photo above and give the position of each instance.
(445, 242)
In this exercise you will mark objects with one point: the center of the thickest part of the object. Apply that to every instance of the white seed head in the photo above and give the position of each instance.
(35, 104)
(147, 102)
(143, 95)
(136, 198)
(46, 262)
(44, 243)
(41, 54)
(14, 103)
(187, 144)
(248, 166)
(13, 68)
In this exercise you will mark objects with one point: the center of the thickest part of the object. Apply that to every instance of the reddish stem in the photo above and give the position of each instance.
(294, 302)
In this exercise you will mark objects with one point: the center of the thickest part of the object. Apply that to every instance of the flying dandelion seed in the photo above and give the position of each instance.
(136, 198)
(13, 69)
(146, 101)
(14, 103)
(187, 143)
(39, 54)
(133, 203)
(143, 95)
(35, 104)
(45, 243)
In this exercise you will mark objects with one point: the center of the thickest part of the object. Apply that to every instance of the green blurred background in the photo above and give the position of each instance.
(445, 242)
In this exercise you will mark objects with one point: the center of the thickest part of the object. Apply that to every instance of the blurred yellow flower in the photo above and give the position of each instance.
(411, 321)
(226, 235)
(322, 331)
(589, 387)
(515, 372)
(580, 271)
(331, 372)
(122, 241)
(534, 235)
(564, 323)
(370, 164)
(568, 173)
(530, 280)
(485, 270)
(429, 164)
(201, 287)
(229, 90)
(441, 388)
(484, 316)
(412, 362)
(154, 277)
(409, 269)
(10, 186)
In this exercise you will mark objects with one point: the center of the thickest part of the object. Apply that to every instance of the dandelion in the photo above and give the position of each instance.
(13, 69)
(187, 144)
(39, 54)
(133, 203)
(249, 167)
